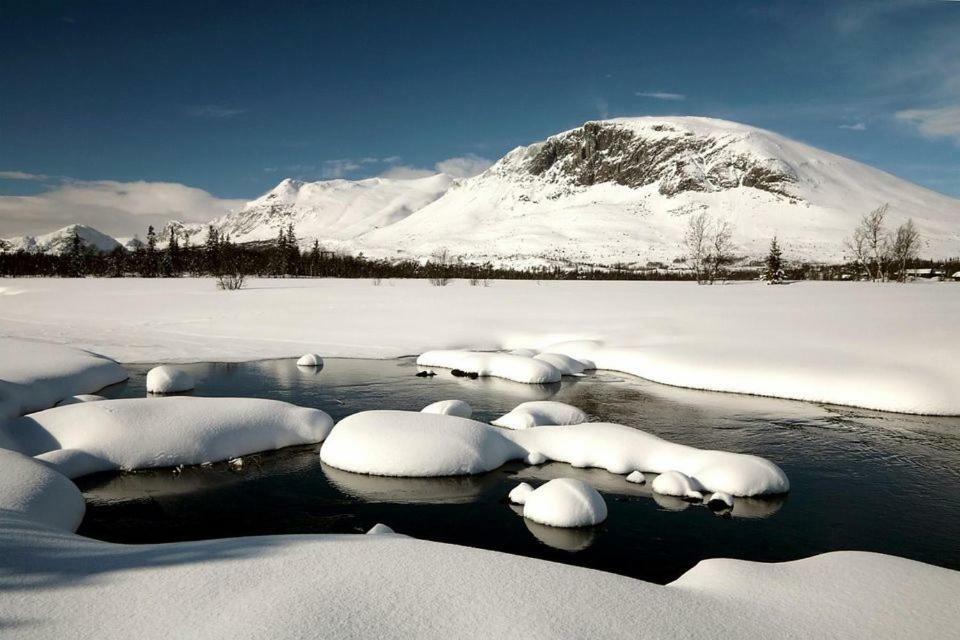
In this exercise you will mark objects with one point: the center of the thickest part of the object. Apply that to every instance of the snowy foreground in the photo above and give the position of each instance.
(887, 347)
(57, 584)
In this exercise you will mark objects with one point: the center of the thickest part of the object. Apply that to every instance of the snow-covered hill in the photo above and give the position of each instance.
(59, 241)
(623, 190)
(332, 210)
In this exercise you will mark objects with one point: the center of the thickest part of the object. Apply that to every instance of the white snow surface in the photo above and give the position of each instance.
(168, 379)
(457, 408)
(499, 365)
(540, 412)
(674, 483)
(416, 444)
(82, 397)
(32, 489)
(805, 341)
(564, 364)
(565, 502)
(37, 375)
(141, 433)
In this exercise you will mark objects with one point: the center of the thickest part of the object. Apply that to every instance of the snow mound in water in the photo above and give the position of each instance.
(636, 477)
(499, 365)
(379, 529)
(310, 360)
(83, 397)
(565, 502)
(168, 379)
(621, 450)
(457, 408)
(720, 500)
(36, 375)
(415, 444)
(518, 495)
(141, 433)
(564, 364)
(674, 483)
(38, 492)
(540, 412)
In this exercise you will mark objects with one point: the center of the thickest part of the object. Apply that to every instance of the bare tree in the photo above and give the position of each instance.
(870, 243)
(857, 245)
(441, 264)
(721, 250)
(697, 245)
(904, 245)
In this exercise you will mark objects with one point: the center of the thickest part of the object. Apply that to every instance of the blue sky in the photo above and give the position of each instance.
(128, 113)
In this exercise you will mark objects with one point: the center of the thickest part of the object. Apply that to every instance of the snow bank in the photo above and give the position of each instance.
(674, 483)
(36, 491)
(415, 444)
(499, 365)
(141, 433)
(540, 412)
(518, 495)
(621, 450)
(310, 360)
(564, 364)
(565, 502)
(167, 379)
(457, 408)
(35, 375)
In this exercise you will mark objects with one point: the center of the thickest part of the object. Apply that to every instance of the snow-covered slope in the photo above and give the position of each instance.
(623, 190)
(59, 241)
(331, 210)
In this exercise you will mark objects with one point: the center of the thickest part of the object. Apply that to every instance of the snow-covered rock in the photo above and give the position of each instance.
(310, 360)
(720, 500)
(636, 477)
(565, 502)
(36, 375)
(142, 433)
(36, 491)
(500, 365)
(168, 379)
(379, 529)
(674, 483)
(621, 450)
(518, 495)
(540, 412)
(563, 363)
(457, 408)
(412, 444)
(82, 397)
(535, 458)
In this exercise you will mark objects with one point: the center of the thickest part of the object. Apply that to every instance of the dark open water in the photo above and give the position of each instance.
(860, 480)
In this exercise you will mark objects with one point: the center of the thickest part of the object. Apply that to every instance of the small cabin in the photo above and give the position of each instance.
(927, 273)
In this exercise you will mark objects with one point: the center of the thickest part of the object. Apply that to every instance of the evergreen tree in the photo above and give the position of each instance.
(211, 252)
(76, 260)
(280, 253)
(291, 260)
(151, 257)
(174, 260)
(314, 259)
(774, 271)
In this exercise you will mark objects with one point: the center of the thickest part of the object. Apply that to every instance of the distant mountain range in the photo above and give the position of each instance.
(609, 191)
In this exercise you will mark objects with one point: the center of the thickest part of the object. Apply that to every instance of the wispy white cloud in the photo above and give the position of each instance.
(117, 208)
(212, 111)
(660, 95)
(403, 172)
(22, 175)
(856, 126)
(942, 122)
(459, 167)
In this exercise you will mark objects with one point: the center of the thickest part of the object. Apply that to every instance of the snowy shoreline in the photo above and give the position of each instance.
(876, 346)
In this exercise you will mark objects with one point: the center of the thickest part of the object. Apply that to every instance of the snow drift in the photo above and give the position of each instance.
(565, 502)
(540, 412)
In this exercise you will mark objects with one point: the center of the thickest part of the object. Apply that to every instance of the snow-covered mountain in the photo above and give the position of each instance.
(59, 241)
(331, 210)
(623, 190)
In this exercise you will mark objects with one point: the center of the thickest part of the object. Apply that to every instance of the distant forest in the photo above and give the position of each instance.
(218, 257)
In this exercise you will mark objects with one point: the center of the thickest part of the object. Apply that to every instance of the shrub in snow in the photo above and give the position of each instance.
(168, 379)
(636, 477)
(518, 495)
(83, 397)
(457, 408)
(674, 483)
(36, 375)
(541, 412)
(412, 444)
(565, 502)
(379, 529)
(310, 360)
(33, 489)
(499, 365)
(158, 432)
(563, 363)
